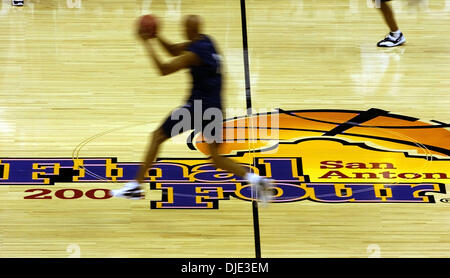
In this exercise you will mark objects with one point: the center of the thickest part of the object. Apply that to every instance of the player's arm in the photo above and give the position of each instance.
(185, 60)
(175, 49)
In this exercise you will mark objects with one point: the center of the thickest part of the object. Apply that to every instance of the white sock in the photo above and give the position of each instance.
(397, 33)
(252, 177)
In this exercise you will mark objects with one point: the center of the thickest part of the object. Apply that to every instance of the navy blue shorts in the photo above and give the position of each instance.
(201, 118)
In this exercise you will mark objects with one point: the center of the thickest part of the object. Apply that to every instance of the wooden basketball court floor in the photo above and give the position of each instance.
(77, 85)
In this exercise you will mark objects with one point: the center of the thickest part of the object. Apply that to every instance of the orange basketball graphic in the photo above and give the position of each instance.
(376, 128)
(343, 145)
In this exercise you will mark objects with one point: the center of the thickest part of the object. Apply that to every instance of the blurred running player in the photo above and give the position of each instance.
(200, 56)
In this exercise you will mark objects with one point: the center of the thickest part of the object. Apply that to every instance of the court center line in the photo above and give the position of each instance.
(248, 98)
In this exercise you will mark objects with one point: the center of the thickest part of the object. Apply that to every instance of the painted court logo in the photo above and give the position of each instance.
(327, 156)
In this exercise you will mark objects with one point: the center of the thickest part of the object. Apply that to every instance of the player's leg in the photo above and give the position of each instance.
(171, 126)
(133, 190)
(225, 163)
(395, 36)
(388, 15)
(260, 184)
(158, 137)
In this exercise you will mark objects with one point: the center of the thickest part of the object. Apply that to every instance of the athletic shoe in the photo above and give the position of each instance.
(263, 190)
(17, 3)
(131, 190)
(391, 40)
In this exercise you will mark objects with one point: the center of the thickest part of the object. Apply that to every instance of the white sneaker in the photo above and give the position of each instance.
(263, 190)
(391, 40)
(131, 190)
(17, 3)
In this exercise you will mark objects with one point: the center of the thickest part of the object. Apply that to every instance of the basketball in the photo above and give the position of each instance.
(147, 26)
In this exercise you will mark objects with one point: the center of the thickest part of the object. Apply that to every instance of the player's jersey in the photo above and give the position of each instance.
(207, 77)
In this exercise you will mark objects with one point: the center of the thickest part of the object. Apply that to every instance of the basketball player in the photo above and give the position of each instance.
(395, 36)
(200, 56)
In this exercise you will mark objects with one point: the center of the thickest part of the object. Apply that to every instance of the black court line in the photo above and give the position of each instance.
(361, 118)
(248, 98)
